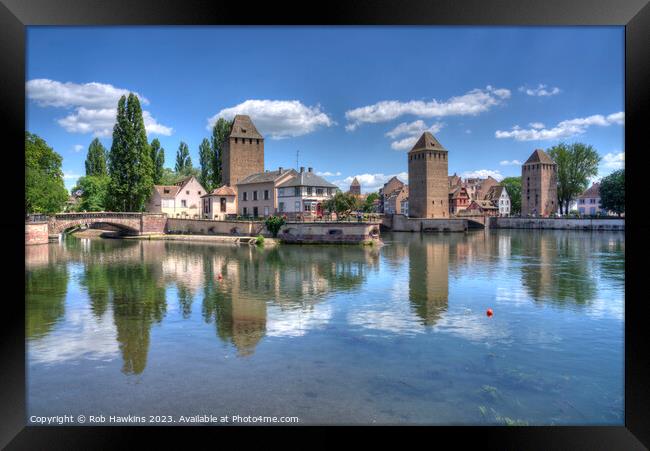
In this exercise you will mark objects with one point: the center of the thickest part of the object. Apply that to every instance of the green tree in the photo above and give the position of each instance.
(368, 204)
(94, 190)
(220, 133)
(158, 160)
(130, 165)
(205, 159)
(171, 177)
(44, 188)
(513, 188)
(274, 224)
(612, 192)
(96, 159)
(342, 204)
(576, 164)
(183, 159)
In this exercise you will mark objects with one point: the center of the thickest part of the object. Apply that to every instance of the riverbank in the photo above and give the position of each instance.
(559, 223)
(234, 240)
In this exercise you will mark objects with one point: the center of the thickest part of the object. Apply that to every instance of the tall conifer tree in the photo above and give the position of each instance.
(158, 160)
(220, 133)
(130, 165)
(183, 160)
(205, 157)
(96, 159)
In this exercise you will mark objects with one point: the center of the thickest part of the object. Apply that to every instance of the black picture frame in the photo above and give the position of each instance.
(15, 15)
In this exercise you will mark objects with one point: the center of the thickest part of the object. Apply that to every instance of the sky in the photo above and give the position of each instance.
(347, 101)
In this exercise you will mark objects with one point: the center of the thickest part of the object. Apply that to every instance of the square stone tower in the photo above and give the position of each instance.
(539, 185)
(428, 182)
(243, 153)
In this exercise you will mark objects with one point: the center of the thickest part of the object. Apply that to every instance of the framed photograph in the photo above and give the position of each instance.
(391, 214)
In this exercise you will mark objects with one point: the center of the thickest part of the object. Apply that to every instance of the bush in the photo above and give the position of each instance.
(260, 240)
(274, 224)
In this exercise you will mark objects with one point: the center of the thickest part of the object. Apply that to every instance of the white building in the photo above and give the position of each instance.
(499, 197)
(220, 203)
(304, 193)
(589, 202)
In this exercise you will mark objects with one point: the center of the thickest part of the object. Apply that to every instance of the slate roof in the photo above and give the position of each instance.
(355, 182)
(307, 179)
(243, 127)
(221, 191)
(484, 204)
(266, 176)
(173, 190)
(539, 156)
(591, 192)
(494, 192)
(427, 142)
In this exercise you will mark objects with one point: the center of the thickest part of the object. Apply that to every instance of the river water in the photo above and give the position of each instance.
(396, 334)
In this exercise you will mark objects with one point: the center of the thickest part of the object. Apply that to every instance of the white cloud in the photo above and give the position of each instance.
(510, 163)
(371, 182)
(94, 106)
(78, 147)
(70, 176)
(413, 130)
(536, 125)
(471, 103)
(482, 174)
(278, 118)
(564, 129)
(540, 91)
(613, 161)
(328, 173)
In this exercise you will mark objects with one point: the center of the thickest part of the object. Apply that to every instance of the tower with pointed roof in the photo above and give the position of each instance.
(355, 187)
(428, 179)
(539, 185)
(243, 153)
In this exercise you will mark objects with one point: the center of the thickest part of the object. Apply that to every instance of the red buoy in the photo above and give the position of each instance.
(489, 312)
(219, 277)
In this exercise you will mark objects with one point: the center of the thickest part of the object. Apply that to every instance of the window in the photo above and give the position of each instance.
(183, 203)
(206, 205)
(244, 195)
(166, 190)
(592, 201)
(297, 191)
(187, 192)
(223, 205)
(319, 191)
(307, 207)
(254, 195)
(245, 211)
(266, 194)
(255, 212)
(266, 211)
(297, 206)
(281, 207)
(329, 191)
(309, 190)
(199, 193)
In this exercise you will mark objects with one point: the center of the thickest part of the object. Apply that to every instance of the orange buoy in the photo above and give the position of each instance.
(489, 312)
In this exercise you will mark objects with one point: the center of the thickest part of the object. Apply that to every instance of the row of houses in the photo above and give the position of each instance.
(471, 196)
(248, 190)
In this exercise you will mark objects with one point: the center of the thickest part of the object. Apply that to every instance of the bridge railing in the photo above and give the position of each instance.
(100, 214)
(36, 218)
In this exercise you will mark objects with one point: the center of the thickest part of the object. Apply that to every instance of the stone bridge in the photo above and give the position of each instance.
(128, 223)
(476, 221)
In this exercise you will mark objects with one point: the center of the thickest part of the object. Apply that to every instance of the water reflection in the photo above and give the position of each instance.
(248, 294)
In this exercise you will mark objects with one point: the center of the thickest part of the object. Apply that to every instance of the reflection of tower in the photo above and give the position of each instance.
(428, 277)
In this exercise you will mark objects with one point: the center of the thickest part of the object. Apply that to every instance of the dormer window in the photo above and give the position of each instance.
(166, 190)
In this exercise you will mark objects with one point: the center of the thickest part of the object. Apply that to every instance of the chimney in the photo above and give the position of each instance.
(310, 169)
(280, 169)
(302, 169)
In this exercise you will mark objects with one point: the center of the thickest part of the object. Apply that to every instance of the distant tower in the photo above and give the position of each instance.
(428, 182)
(243, 153)
(355, 187)
(539, 185)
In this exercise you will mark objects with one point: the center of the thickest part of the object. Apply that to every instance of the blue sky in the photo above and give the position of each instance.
(352, 100)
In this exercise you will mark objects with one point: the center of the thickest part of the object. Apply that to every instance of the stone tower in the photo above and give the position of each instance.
(428, 182)
(243, 153)
(539, 185)
(355, 187)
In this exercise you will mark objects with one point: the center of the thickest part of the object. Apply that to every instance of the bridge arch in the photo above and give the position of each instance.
(129, 223)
